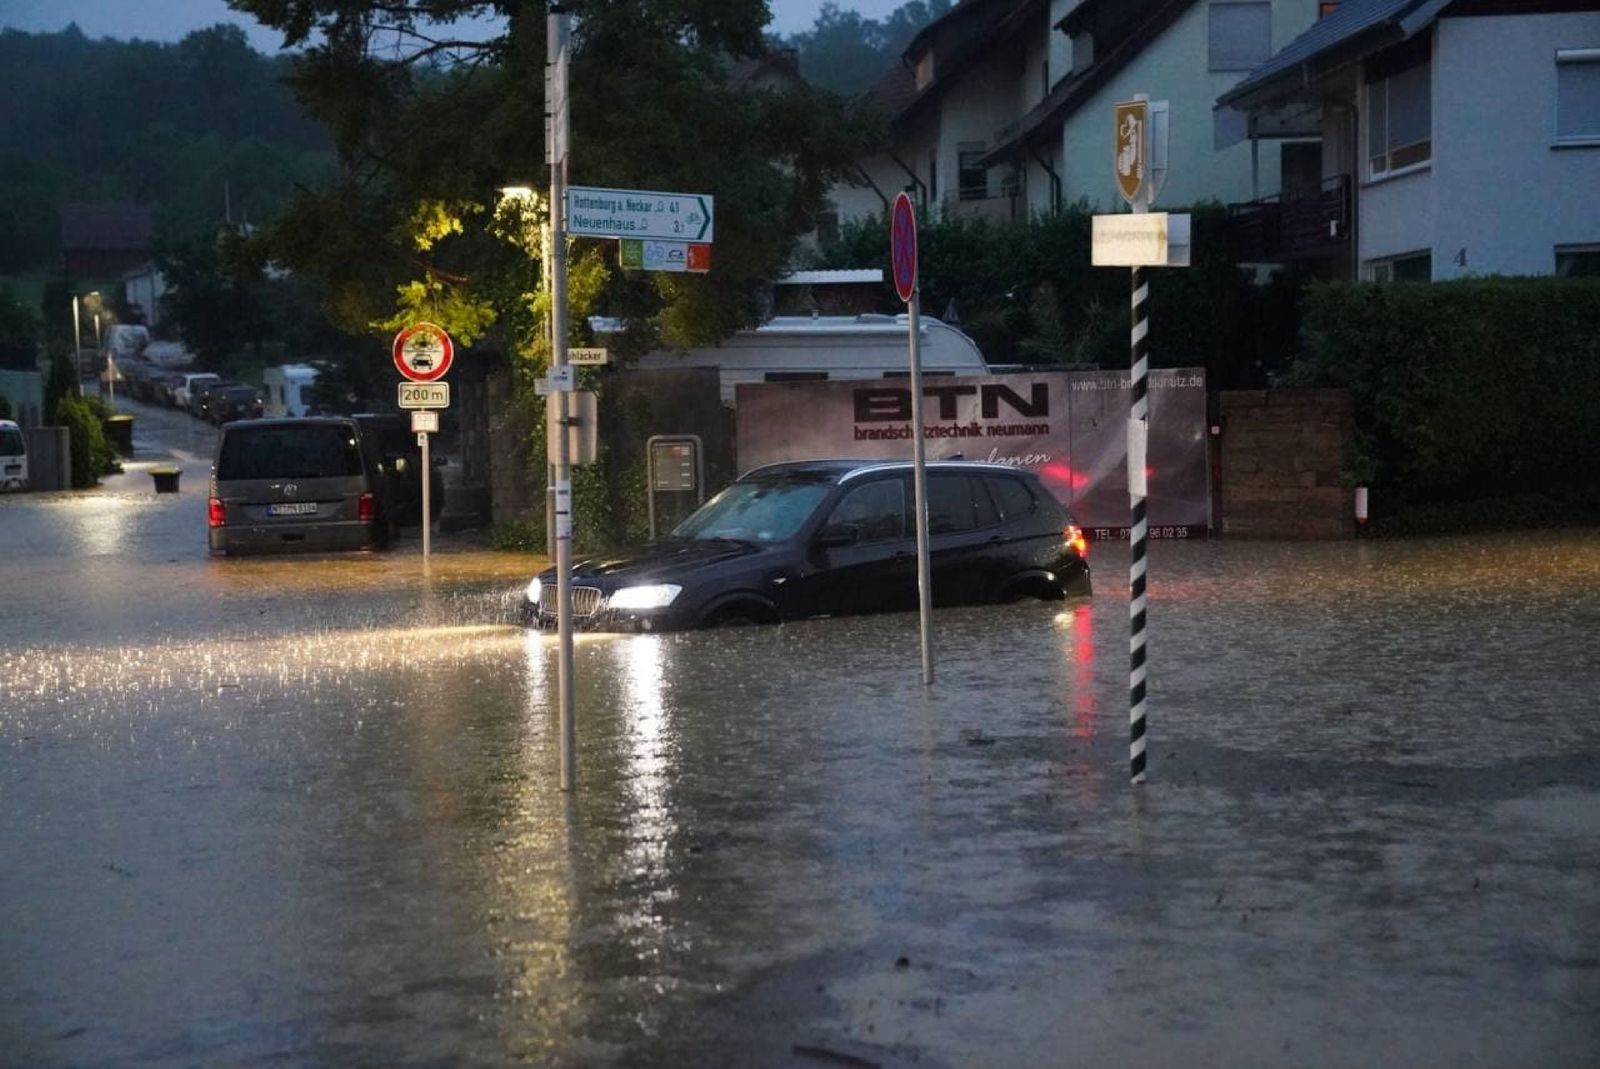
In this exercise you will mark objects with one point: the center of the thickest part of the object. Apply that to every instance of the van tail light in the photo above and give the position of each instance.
(1072, 535)
(214, 513)
(367, 508)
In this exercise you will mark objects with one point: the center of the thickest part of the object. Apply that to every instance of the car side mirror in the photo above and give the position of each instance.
(838, 534)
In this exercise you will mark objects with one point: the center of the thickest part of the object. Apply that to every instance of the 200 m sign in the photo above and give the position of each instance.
(424, 395)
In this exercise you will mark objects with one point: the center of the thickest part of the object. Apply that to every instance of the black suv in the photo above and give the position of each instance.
(831, 537)
(394, 448)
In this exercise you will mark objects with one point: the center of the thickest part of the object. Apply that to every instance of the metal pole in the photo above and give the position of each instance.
(427, 505)
(1138, 437)
(77, 344)
(110, 369)
(555, 33)
(919, 475)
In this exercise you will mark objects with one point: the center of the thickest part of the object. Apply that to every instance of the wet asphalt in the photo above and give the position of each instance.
(305, 812)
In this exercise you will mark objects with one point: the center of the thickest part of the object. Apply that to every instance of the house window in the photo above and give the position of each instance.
(1240, 35)
(1326, 8)
(1400, 120)
(1409, 267)
(972, 180)
(923, 73)
(1578, 95)
(1578, 261)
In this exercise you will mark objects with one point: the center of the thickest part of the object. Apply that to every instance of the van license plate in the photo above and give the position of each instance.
(12, 468)
(297, 508)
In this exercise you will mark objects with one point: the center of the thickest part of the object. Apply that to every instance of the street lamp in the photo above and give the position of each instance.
(77, 334)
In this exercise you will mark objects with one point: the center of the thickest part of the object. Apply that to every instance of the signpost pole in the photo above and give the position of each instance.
(427, 503)
(555, 32)
(919, 471)
(903, 261)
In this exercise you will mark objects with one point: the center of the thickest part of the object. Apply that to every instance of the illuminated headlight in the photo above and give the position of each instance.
(535, 588)
(658, 596)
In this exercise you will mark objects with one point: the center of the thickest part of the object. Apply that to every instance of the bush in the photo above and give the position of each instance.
(91, 453)
(1467, 391)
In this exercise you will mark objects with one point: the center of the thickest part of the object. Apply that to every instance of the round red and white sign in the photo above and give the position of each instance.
(422, 352)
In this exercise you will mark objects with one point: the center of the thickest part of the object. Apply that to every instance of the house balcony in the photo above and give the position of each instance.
(976, 203)
(1303, 226)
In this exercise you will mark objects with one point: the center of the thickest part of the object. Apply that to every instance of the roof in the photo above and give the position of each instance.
(960, 38)
(838, 469)
(831, 278)
(1359, 25)
(1072, 92)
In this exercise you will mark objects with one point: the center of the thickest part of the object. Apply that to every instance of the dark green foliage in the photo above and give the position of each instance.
(5, 407)
(1470, 391)
(1027, 293)
(19, 329)
(140, 122)
(448, 126)
(91, 453)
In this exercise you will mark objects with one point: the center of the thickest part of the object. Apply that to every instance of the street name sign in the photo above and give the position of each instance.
(1148, 239)
(423, 352)
(588, 357)
(650, 255)
(638, 213)
(424, 395)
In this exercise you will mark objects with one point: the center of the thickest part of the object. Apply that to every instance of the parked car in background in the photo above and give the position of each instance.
(164, 388)
(189, 386)
(225, 404)
(285, 485)
(395, 447)
(832, 537)
(13, 457)
(208, 397)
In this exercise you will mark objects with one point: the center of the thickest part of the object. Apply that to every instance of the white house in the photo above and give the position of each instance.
(1467, 130)
(1004, 107)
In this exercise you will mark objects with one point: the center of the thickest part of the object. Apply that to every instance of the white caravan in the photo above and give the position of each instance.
(288, 390)
(802, 348)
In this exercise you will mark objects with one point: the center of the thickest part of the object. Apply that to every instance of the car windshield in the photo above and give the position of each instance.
(754, 512)
(322, 451)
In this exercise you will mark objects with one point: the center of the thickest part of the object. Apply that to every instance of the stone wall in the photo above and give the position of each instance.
(1281, 462)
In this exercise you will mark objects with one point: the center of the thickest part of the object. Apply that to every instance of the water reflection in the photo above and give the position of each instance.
(649, 756)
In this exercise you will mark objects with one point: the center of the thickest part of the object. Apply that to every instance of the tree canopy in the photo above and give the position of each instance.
(428, 125)
(848, 53)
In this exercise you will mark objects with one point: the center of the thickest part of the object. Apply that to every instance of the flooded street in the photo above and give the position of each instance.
(305, 812)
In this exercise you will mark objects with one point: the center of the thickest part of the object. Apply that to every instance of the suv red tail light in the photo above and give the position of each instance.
(1073, 537)
(367, 508)
(214, 513)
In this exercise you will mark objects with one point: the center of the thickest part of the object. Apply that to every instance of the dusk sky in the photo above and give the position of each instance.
(168, 20)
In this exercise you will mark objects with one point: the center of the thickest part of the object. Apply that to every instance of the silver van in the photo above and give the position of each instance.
(285, 485)
(13, 457)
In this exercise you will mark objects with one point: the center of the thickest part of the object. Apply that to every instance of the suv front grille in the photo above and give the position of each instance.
(585, 600)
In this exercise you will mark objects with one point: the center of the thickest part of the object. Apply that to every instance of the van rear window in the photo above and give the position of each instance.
(322, 451)
(11, 442)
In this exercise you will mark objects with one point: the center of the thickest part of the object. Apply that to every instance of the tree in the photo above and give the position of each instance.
(847, 53)
(428, 126)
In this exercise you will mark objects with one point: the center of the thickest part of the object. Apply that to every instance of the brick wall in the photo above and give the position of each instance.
(1281, 458)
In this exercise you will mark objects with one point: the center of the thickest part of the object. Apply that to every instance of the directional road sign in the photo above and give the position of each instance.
(638, 213)
(423, 352)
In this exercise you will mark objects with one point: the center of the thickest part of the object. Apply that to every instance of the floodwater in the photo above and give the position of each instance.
(306, 812)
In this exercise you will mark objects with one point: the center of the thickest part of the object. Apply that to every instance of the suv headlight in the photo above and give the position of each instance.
(656, 596)
(535, 588)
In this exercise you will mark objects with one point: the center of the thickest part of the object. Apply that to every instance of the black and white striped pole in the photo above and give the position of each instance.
(1140, 241)
(1138, 492)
